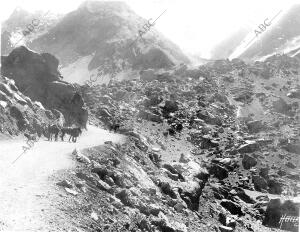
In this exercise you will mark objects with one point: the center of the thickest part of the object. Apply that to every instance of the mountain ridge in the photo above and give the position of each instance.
(108, 33)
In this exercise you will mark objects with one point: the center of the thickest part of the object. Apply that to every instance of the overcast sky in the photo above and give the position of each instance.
(195, 25)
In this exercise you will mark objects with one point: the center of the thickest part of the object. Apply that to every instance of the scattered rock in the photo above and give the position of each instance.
(259, 182)
(289, 164)
(65, 183)
(184, 158)
(248, 161)
(225, 229)
(167, 189)
(218, 171)
(250, 146)
(232, 207)
(80, 157)
(71, 191)
(94, 216)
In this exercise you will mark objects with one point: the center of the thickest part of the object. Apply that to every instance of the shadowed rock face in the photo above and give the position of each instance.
(36, 75)
(31, 71)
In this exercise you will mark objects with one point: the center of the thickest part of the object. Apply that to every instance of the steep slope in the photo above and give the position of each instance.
(19, 113)
(226, 47)
(105, 36)
(13, 30)
(37, 76)
(222, 139)
(281, 37)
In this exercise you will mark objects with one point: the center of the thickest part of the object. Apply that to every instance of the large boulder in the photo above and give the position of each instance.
(37, 76)
(170, 107)
(294, 93)
(281, 106)
(250, 146)
(30, 70)
(255, 126)
(259, 182)
(153, 101)
(208, 142)
(218, 171)
(166, 188)
(16, 113)
(237, 191)
(248, 161)
(232, 207)
(275, 186)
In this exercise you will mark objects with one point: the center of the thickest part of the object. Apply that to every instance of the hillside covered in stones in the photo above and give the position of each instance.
(209, 149)
(20, 113)
(212, 148)
(37, 76)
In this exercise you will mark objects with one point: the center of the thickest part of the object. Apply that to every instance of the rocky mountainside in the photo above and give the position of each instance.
(37, 76)
(281, 38)
(13, 30)
(105, 36)
(226, 47)
(214, 148)
(210, 149)
(19, 114)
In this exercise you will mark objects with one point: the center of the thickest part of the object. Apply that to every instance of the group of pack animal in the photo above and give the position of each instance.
(54, 130)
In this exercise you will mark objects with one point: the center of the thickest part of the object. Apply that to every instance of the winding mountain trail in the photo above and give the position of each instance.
(28, 194)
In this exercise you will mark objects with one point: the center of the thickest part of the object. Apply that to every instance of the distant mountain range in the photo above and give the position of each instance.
(282, 37)
(103, 39)
(98, 36)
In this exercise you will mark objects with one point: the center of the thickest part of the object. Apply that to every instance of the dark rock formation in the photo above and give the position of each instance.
(259, 182)
(250, 146)
(218, 171)
(248, 161)
(232, 207)
(37, 76)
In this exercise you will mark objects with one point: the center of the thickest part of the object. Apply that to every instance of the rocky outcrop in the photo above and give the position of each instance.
(248, 161)
(232, 207)
(259, 183)
(37, 76)
(250, 146)
(294, 93)
(18, 113)
(218, 171)
(238, 157)
(281, 106)
(255, 126)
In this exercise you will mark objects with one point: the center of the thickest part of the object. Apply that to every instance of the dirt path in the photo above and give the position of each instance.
(26, 191)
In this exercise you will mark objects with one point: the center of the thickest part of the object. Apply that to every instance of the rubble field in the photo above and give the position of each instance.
(211, 149)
